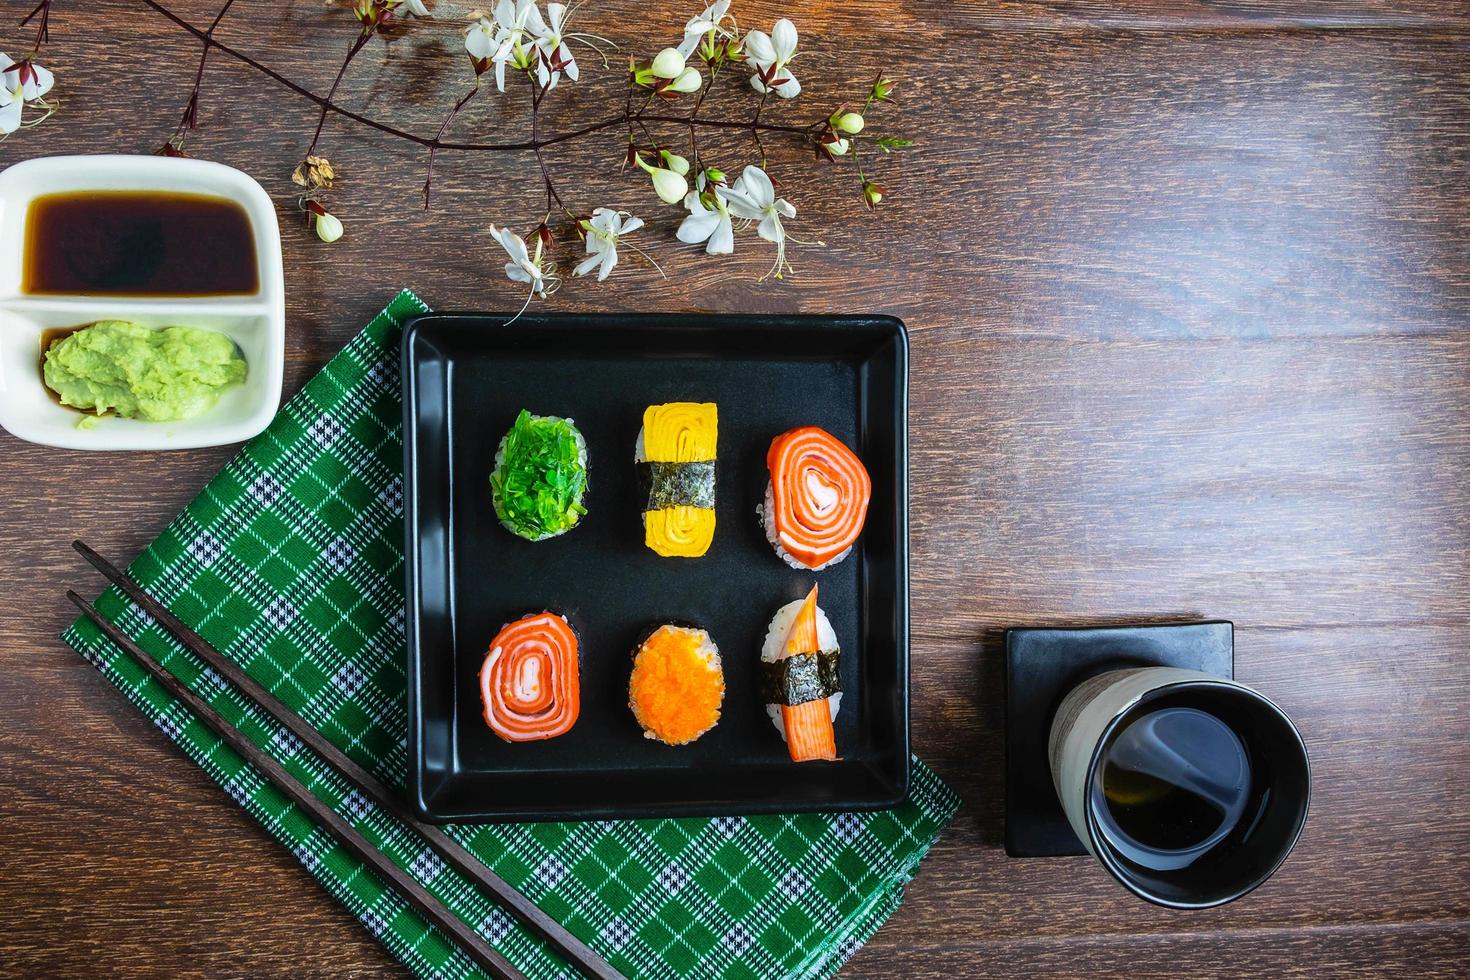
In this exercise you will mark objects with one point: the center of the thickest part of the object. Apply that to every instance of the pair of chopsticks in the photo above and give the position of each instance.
(573, 949)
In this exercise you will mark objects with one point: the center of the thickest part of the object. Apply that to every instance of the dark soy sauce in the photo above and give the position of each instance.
(1170, 786)
(138, 243)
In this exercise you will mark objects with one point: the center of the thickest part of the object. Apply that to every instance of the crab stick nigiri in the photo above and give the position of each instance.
(799, 679)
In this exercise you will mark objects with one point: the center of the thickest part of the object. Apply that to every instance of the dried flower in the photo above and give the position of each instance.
(313, 173)
(602, 232)
(753, 198)
(769, 55)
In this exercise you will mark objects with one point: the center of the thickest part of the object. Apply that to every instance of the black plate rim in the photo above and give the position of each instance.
(418, 800)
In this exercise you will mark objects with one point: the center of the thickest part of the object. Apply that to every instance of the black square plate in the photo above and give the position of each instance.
(465, 377)
(1042, 665)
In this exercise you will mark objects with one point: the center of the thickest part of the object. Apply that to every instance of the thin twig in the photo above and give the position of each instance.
(434, 146)
(363, 36)
(43, 26)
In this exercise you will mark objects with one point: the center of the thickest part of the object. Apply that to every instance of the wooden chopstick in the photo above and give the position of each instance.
(554, 933)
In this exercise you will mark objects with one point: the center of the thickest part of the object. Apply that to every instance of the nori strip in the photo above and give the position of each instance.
(801, 678)
(678, 484)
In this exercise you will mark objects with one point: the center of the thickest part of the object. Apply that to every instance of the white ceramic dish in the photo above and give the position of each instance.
(256, 323)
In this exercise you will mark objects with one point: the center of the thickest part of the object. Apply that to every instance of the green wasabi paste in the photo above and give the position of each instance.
(137, 372)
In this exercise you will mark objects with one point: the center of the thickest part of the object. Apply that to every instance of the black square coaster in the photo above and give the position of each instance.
(1042, 665)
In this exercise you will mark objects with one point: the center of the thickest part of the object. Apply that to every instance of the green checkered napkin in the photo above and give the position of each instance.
(291, 563)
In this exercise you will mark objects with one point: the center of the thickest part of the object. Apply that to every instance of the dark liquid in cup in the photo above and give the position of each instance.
(1170, 786)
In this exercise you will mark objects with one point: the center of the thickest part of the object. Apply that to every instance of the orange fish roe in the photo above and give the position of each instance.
(677, 685)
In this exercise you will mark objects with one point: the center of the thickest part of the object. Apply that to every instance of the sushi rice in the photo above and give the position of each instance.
(767, 514)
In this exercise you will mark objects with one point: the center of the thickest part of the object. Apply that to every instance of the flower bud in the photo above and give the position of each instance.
(836, 146)
(669, 63)
(687, 80)
(714, 175)
(883, 88)
(872, 193)
(669, 186)
(328, 227)
(849, 122)
(674, 162)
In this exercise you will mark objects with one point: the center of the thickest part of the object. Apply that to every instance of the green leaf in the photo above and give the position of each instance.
(890, 143)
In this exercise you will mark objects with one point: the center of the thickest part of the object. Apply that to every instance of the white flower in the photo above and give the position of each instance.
(480, 40)
(20, 83)
(708, 21)
(415, 7)
(602, 232)
(504, 39)
(708, 225)
(753, 198)
(550, 38)
(770, 55)
(522, 267)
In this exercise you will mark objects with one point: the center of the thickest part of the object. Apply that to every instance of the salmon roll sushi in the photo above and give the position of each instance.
(677, 685)
(675, 456)
(817, 498)
(529, 682)
(799, 679)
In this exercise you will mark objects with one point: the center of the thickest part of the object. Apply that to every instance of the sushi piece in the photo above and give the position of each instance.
(529, 682)
(816, 500)
(678, 684)
(675, 455)
(799, 679)
(540, 477)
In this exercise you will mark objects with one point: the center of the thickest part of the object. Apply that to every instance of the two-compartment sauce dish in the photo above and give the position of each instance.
(142, 304)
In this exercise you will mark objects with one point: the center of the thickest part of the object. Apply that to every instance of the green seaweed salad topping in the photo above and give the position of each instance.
(538, 483)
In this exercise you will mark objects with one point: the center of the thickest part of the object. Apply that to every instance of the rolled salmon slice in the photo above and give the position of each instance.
(819, 496)
(529, 682)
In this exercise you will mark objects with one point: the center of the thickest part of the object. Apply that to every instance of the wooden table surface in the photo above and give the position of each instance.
(1188, 286)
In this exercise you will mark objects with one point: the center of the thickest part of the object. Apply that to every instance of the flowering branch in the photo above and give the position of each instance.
(516, 38)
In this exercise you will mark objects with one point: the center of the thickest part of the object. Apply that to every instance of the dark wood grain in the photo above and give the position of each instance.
(1188, 284)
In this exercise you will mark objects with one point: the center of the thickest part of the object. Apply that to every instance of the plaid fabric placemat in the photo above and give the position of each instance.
(291, 562)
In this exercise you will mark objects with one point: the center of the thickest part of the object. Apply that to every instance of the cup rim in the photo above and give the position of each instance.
(1109, 861)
